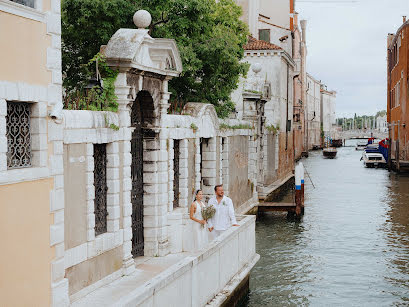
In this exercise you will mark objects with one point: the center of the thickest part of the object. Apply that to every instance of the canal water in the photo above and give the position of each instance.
(350, 249)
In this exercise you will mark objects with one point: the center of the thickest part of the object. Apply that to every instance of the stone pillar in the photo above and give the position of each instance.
(155, 180)
(163, 177)
(184, 202)
(122, 91)
(171, 193)
(164, 102)
(225, 165)
(208, 168)
(125, 153)
(198, 159)
(220, 158)
(59, 284)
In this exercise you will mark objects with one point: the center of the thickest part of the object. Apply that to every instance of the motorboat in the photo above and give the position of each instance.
(329, 152)
(360, 145)
(373, 159)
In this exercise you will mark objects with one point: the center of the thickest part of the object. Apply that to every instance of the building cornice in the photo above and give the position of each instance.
(406, 24)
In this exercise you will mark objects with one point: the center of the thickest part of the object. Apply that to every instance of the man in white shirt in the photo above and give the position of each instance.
(224, 216)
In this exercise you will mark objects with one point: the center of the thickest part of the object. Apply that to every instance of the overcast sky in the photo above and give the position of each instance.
(347, 48)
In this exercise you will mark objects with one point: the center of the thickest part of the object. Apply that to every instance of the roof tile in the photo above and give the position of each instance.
(255, 44)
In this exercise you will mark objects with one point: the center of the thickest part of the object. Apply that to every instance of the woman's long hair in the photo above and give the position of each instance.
(194, 197)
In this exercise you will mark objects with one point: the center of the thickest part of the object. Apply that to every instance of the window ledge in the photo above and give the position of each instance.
(21, 10)
(23, 174)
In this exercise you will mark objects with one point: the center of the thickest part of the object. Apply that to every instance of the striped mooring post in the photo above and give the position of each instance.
(298, 193)
(302, 187)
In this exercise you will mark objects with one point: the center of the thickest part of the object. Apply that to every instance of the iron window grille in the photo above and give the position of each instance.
(18, 135)
(29, 3)
(176, 159)
(100, 183)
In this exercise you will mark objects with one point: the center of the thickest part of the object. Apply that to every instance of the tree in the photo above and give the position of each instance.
(209, 34)
(86, 25)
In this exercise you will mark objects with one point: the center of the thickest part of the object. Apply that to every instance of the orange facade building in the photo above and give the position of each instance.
(398, 99)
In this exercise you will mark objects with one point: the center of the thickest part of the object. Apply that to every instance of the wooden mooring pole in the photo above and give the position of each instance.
(397, 154)
(298, 193)
(302, 187)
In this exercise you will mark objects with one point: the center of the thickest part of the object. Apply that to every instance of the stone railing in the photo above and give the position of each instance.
(208, 276)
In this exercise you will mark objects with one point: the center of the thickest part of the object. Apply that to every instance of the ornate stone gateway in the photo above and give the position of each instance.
(137, 180)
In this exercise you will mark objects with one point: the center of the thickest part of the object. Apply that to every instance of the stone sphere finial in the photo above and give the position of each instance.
(256, 67)
(142, 19)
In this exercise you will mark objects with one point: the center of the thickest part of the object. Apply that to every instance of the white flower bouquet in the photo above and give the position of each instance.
(208, 212)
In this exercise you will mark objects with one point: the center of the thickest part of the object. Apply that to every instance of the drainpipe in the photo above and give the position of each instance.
(303, 24)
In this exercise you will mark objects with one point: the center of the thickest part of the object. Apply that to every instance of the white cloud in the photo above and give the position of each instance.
(347, 49)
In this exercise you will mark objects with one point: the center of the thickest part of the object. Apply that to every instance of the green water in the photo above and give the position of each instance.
(350, 249)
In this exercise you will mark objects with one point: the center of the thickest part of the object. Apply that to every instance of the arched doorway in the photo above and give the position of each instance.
(141, 115)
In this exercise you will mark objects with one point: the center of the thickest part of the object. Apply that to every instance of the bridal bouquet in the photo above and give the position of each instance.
(208, 212)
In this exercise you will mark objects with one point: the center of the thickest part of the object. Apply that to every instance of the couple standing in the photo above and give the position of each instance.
(221, 221)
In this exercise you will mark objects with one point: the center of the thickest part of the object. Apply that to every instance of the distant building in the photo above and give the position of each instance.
(382, 123)
(397, 104)
(314, 112)
(328, 118)
(271, 47)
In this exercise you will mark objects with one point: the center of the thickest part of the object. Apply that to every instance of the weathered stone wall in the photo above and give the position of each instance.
(191, 170)
(240, 186)
(75, 213)
(270, 174)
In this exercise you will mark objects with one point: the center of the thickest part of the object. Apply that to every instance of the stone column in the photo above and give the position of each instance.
(209, 168)
(155, 179)
(164, 102)
(220, 158)
(225, 165)
(183, 174)
(122, 91)
(198, 159)
(171, 193)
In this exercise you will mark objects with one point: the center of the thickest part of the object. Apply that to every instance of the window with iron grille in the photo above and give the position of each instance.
(30, 3)
(18, 135)
(100, 183)
(176, 157)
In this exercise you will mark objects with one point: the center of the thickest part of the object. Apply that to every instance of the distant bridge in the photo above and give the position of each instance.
(362, 134)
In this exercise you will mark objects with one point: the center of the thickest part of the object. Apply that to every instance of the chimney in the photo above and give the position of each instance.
(390, 39)
(404, 19)
(303, 29)
(295, 22)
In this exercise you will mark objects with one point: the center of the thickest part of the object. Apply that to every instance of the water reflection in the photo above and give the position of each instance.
(352, 247)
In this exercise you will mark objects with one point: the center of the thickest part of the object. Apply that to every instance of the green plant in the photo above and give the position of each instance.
(224, 126)
(108, 124)
(193, 127)
(273, 128)
(114, 127)
(95, 99)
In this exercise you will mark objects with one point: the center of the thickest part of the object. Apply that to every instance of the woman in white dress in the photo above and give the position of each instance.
(200, 236)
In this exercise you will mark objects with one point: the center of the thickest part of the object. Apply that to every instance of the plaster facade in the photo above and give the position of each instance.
(397, 104)
(31, 74)
(328, 117)
(314, 112)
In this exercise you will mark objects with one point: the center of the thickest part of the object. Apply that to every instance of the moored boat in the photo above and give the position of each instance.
(329, 152)
(373, 159)
(337, 143)
(361, 145)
